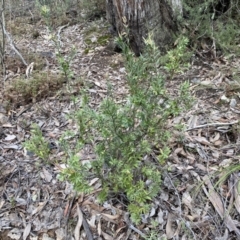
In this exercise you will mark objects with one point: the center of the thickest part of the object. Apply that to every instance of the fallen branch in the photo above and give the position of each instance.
(13, 46)
(212, 125)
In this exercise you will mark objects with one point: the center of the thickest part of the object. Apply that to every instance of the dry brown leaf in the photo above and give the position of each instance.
(215, 154)
(236, 192)
(226, 162)
(27, 231)
(230, 152)
(110, 218)
(60, 234)
(201, 166)
(106, 236)
(93, 181)
(202, 140)
(46, 175)
(169, 229)
(187, 200)
(121, 237)
(11, 146)
(6, 172)
(92, 221)
(39, 208)
(10, 137)
(15, 233)
(93, 206)
(1, 203)
(218, 143)
(79, 224)
(7, 125)
(99, 229)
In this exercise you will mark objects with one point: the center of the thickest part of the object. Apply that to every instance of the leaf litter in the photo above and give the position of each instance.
(34, 204)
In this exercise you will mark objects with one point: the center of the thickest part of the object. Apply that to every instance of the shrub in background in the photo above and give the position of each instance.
(212, 23)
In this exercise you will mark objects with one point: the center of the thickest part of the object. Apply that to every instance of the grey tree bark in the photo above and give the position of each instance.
(143, 17)
(2, 40)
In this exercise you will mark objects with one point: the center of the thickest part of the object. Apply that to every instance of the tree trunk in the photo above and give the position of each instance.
(143, 17)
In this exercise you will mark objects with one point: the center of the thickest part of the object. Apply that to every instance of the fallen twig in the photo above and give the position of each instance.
(212, 125)
(130, 226)
(13, 46)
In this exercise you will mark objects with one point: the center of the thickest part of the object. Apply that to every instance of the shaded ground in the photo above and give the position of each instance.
(34, 204)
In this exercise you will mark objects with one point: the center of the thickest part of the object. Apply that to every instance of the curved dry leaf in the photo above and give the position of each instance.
(46, 175)
(15, 233)
(187, 200)
(99, 230)
(237, 192)
(112, 217)
(60, 234)
(169, 229)
(226, 162)
(218, 143)
(10, 137)
(11, 146)
(79, 224)
(27, 231)
(29, 69)
(106, 236)
(202, 140)
(121, 237)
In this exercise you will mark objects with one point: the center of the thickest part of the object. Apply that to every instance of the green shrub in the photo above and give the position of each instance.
(212, 23)
(175, 59)
(54, 12)
(123, 135)
(36, 87)
(37, 143)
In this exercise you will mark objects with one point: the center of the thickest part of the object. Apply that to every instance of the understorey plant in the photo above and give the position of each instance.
(64, 62)
(123, 135)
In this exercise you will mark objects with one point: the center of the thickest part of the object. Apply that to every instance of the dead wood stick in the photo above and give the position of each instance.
(212, 125)
(130, 226)
(13, 46)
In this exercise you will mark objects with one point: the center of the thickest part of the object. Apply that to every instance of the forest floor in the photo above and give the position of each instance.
(34, 204)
